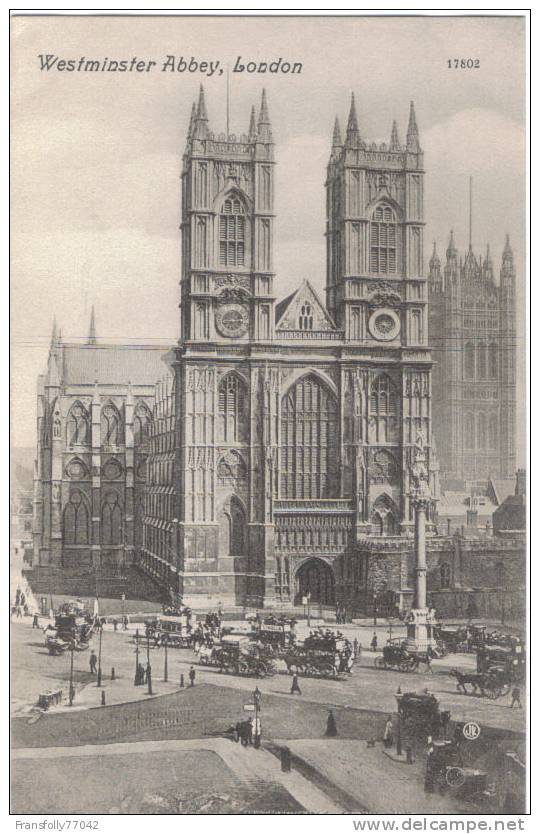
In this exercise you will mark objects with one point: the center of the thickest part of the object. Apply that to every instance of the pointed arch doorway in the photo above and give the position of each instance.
(315, 579)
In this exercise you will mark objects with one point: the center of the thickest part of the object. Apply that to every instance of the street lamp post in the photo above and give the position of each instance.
(374, 608)
(148, 667)
(399, 696)
(71, 689)
(136, 655)
(165, 666)
(99, 656)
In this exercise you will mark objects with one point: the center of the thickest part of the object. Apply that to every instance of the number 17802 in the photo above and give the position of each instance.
(463, 63)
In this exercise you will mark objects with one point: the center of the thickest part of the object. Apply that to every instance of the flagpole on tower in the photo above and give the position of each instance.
(228, 125)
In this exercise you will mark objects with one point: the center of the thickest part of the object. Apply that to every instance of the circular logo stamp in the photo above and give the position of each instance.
(471, 730)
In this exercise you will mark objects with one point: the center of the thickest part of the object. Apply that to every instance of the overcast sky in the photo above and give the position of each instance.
(96, 156)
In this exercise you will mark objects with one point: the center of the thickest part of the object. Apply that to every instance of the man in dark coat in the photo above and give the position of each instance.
(295, 686)
(93, 662)
(374, 642)
(192, 676)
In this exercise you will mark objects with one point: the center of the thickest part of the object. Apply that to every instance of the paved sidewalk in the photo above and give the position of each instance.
(248, 764)
(375, 781)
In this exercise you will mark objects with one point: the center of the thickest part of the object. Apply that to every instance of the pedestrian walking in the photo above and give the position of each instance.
(115, 624)
(93, 662)
(192, 674)
(125, 623)
(516, 697)
(331, 727)
(374, 642)
(388, 735)
(295, 686)
(35, 621)
(355, 647)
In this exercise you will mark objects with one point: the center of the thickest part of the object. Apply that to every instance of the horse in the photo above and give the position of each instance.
(472, 678)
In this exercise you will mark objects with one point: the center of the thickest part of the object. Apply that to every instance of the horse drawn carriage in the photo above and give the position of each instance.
(420, 713)
(395, 655)
(174, 630)
(238, 655)
(323, 655)
(493, 683)
(275, 632)
(72, 629)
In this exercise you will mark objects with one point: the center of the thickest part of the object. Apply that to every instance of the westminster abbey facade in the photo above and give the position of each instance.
(284, 470)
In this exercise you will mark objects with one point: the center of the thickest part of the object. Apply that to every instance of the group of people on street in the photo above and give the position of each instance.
(20, 606)
(124, 621)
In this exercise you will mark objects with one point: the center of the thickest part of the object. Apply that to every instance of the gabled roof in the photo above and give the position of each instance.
(501, 488)
(288, 310)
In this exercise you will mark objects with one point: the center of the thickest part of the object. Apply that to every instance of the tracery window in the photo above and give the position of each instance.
(111, 520)
(231, 407)
(309, 450)
(382, 408)
(446, 575)
(232, 233)
(78, 425)
(141, 425)
(75, 520)
(110, 426)
(305, 320)
(469, 432)
(481, 363)
(493, 360)
(469, 360)
(383, 240)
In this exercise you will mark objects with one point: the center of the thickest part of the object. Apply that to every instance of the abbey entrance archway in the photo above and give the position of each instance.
(316, 578)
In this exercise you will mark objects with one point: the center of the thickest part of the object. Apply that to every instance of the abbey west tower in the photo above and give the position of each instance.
(295, 422)
(225, 541)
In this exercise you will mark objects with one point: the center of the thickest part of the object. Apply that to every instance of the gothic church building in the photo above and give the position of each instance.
(280, 447)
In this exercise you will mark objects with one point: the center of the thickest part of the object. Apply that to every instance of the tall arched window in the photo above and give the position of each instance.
(111, 434)
(383, 240)
(232, 233)
(111, 520)
(469, 360)
(481, 363)
(78, 425)
(141, 424)
(305, 319)
(382, 407)
(231, 407)
(470, 433)
(493, 432)
(482, 431)
(493, 360)
(309, 450)
(75, 520)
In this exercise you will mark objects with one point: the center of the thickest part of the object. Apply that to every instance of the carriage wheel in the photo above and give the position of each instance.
(493, 692)
(455, 777)
(328, 671)
(261, 670)
(379, 663)
(405, 666)
(242, 668)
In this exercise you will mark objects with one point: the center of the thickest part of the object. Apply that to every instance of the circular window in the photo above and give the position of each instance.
(384, 325)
